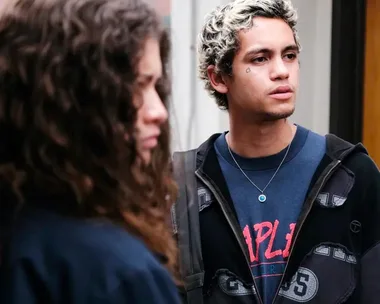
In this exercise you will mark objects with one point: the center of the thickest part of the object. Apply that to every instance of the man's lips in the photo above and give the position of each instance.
(282, 89)
(282, 93)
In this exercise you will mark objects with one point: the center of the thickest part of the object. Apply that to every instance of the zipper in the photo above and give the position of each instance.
(220, 199)
(318, 186)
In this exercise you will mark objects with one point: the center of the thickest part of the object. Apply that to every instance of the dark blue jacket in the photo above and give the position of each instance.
(56, 259)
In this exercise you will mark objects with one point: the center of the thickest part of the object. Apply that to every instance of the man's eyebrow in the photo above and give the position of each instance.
(257, 51)
(291, 47)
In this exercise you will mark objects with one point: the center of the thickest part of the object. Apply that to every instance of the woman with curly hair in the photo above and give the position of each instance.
(85, 179)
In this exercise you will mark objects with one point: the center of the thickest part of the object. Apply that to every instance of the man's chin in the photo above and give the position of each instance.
(273, 116)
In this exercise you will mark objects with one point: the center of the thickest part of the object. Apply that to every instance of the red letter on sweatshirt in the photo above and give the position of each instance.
(260, 237)
(289, 237)
(248, 240)
(268, 253)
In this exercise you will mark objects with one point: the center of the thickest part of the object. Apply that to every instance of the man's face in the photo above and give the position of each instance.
(265, 72)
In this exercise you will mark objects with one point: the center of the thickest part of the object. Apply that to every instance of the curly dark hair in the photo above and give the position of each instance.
(219, 40)
(67, 77)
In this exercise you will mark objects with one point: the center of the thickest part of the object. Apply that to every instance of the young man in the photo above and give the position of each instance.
(285, 215)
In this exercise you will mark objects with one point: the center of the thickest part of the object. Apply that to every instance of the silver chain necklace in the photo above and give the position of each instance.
(262, 197)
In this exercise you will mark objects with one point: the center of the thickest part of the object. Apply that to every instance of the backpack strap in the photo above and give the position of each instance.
(185, 218)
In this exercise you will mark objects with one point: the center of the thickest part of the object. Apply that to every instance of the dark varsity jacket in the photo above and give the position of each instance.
(335, 250)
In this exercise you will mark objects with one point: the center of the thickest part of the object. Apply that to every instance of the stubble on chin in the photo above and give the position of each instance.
(274, 116)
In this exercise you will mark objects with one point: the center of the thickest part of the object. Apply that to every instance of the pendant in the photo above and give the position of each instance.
(262, 198)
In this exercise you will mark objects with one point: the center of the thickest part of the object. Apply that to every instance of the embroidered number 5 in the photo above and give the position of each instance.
(301, 287)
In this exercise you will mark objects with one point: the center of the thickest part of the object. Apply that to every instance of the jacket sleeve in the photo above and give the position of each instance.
(370, 260)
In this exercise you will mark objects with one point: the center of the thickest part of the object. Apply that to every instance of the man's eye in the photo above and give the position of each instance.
(291, 56)
(259, 60)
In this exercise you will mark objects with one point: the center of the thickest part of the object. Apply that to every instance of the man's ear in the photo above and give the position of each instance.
(216, 80)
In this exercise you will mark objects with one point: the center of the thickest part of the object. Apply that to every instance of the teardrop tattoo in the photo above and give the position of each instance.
(248, 70)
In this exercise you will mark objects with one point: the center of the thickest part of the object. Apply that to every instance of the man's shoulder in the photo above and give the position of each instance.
(363, 166)
(355, 158)
(204, 146)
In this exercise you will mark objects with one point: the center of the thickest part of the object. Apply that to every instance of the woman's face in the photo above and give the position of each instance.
(152, 112)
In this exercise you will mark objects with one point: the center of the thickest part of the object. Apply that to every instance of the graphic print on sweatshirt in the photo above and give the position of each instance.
(268, 248)
(268, 227)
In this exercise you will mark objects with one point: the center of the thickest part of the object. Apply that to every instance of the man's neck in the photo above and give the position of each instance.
(260, 139)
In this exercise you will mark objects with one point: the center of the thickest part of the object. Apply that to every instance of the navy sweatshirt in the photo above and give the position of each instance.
(57, 259)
